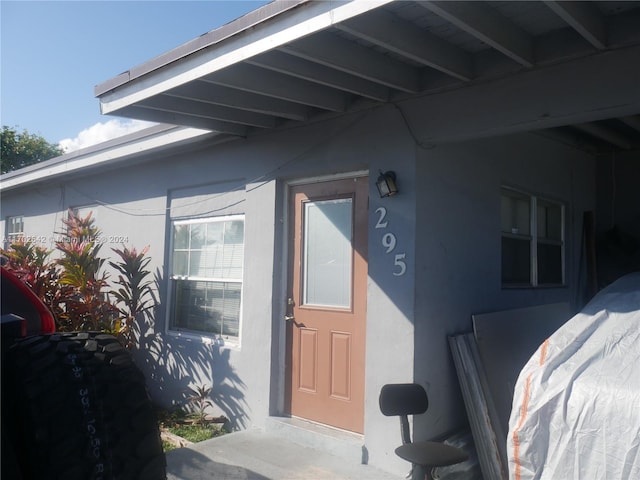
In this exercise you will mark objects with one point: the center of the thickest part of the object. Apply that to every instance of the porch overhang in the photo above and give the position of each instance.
(568, 69)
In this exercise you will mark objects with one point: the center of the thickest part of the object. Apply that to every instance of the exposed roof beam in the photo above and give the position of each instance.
(253, 79)
(141, 113)
(306, 70)
(335, 52)
(487, 25)
(230, 97)
(584, 18)
(404, 38)
(568, 136)
(632, 121)
(546, 98)
(205, 110)
(606, 134)
(306, 19)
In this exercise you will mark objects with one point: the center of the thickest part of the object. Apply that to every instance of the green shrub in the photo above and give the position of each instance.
(76, 287)
(133, 291)
(196, 433)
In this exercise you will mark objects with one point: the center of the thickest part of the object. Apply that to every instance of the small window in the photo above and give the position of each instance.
(532, 240)
(206, 276)
(15, 228)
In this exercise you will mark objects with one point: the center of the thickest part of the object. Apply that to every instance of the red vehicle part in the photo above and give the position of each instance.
(19, 300)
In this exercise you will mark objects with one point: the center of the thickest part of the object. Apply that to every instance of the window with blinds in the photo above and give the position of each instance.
(206, 276)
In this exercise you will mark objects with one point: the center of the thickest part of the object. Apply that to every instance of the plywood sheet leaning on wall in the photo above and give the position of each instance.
(488, 362)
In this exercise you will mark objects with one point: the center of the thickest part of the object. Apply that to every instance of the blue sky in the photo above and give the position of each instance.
(53, 53)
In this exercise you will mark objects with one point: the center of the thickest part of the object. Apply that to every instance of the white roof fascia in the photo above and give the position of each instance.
(99, 155)
(278, 31)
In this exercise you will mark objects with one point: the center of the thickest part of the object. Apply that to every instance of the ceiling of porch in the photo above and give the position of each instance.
(280, 65)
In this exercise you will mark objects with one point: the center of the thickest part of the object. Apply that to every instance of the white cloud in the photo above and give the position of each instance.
(101, 132)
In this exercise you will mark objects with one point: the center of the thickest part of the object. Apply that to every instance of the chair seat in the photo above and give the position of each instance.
(431, 454)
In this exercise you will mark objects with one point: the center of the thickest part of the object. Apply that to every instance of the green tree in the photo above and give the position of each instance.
(22, 149)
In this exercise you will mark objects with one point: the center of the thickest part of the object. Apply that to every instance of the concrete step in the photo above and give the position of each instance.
(346, 445)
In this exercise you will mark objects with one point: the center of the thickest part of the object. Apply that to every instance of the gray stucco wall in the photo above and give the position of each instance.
(458, 271)
(618, 215)
(446, 221)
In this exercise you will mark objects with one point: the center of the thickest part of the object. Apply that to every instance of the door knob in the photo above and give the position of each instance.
(289, 316)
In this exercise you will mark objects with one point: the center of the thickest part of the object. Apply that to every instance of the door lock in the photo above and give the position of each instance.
(289, 316)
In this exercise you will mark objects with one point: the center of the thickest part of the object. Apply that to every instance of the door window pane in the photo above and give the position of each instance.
(328, 231)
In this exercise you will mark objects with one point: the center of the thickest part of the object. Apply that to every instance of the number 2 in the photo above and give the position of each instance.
(383, 213)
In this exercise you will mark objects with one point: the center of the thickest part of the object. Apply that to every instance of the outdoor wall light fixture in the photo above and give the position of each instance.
(386, 184)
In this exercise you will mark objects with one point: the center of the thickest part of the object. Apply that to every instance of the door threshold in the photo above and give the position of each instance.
(319, 427)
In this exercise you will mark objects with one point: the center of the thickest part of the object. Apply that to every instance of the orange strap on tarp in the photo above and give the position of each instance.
(523, 413)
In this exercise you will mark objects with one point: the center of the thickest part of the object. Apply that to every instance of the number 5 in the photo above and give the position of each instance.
(399, 262)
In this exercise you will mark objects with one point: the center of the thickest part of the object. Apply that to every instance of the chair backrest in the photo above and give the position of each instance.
(403, 399)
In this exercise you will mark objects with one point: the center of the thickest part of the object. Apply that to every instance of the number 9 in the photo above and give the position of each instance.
(389, 242)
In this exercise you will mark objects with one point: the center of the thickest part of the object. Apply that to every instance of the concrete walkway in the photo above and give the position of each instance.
(257, 455)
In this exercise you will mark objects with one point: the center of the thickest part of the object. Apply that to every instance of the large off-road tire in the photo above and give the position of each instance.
(79, 410)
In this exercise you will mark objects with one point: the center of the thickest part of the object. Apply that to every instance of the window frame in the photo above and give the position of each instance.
(535, 240)
(205, 336)
(11, 236)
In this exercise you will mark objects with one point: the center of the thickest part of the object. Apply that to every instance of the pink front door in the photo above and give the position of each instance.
(327, 300)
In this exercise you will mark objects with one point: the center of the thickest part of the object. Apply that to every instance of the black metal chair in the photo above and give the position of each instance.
(404, 399)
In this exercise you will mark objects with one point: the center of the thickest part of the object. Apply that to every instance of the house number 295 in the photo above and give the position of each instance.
(389, 242)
